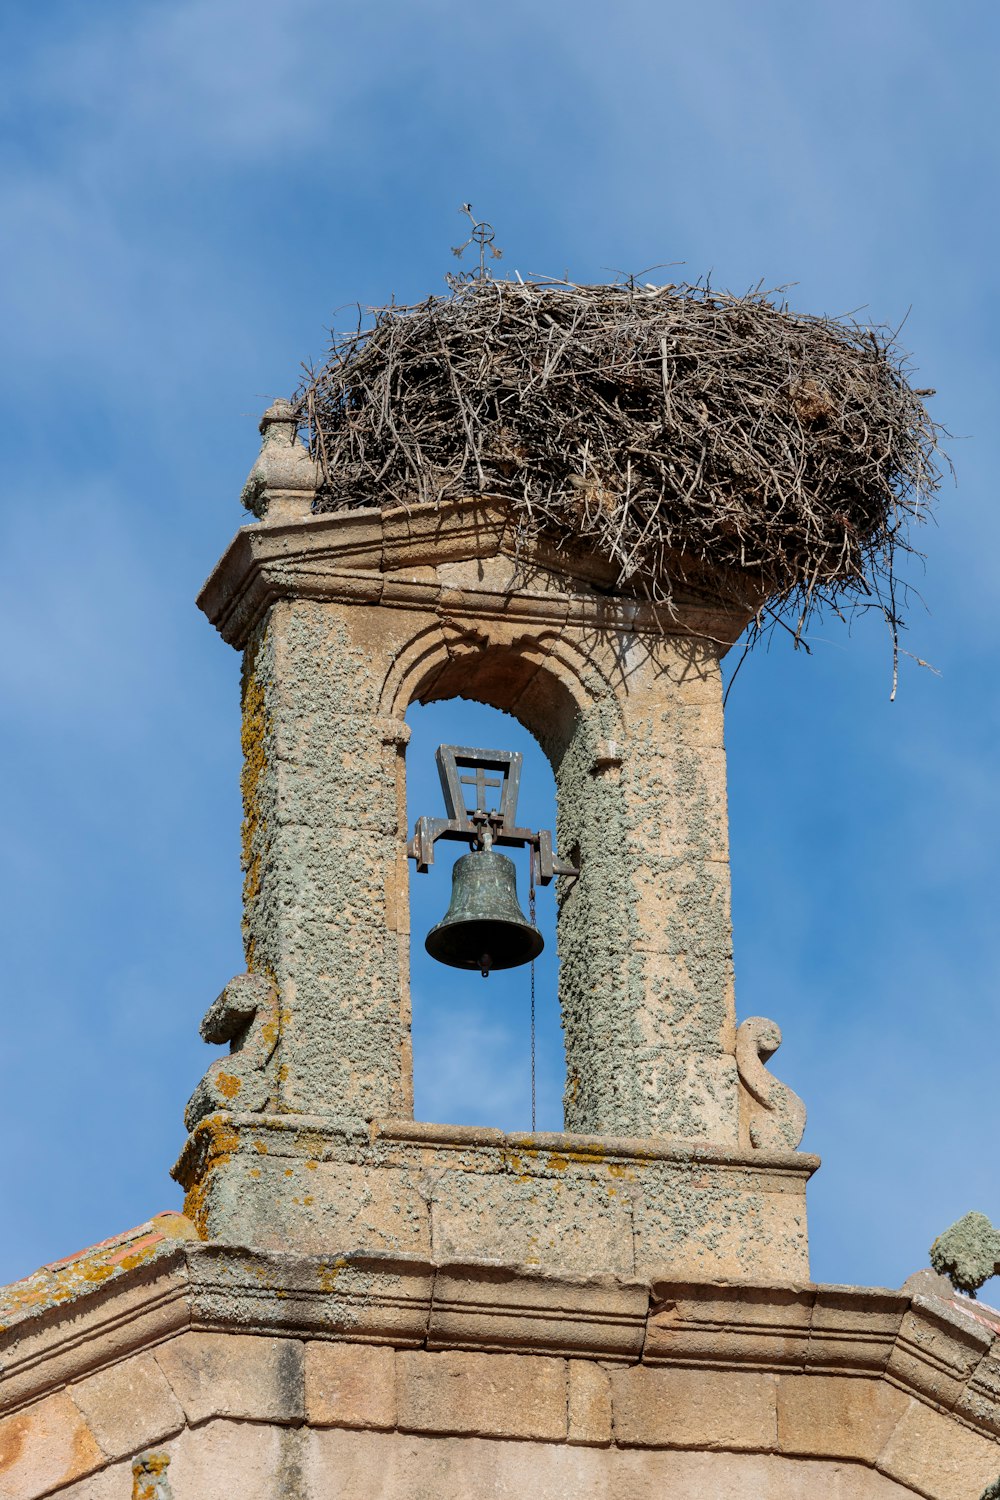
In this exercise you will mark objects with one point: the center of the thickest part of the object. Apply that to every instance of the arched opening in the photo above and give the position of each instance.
(472, 1036)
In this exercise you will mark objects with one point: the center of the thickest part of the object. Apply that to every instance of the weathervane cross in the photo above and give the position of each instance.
(482, 234)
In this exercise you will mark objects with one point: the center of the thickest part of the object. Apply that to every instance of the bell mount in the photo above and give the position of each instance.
(482, 827)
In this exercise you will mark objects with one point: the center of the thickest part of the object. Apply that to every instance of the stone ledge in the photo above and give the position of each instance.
(612, 1204)
(918, 1349)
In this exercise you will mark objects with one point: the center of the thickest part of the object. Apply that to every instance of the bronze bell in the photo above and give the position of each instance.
(484, 927)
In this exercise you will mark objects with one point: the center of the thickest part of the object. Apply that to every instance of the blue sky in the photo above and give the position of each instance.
(188, 193)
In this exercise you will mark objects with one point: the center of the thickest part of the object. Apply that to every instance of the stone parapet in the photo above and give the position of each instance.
(568, 1204)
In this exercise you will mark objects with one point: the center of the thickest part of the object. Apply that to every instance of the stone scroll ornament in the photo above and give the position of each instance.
(246, 1016)
(779, 1120)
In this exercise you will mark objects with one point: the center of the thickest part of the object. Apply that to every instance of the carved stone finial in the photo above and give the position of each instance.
(779, 1118)
(282, 483)
(968, 1253)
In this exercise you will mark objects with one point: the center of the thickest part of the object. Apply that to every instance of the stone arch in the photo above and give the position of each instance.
(368, 612)
(541, 677)
(550, 683)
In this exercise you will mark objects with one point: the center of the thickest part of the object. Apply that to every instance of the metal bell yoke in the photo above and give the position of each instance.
(484, 927)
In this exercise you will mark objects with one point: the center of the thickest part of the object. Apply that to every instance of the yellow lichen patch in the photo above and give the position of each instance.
(327, 1275)
(255, 1171)
(146, 1470)
(560, 1160)
(520, 1162)
(260, 1146)
(63, 1280)
(228, 1084)
(311, 1142)
(196, 1206)
(312, 1165)
(223, 1142)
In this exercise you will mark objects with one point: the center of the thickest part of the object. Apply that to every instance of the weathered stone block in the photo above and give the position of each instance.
(938, 1457)
(980, 1401)
(493, 1307)
(715, 1220)
(854, 1326)
(749, 1324)
(45, 1446)
(937, 1349)
(350, 1385)
(273, 1201)
(676, 1408)
(486, 1395)
(235, 1375)
(369, 1298)
(223, 1460)
(839, 1416)
(129, 1406)
(589, 1408)
(583, 1225)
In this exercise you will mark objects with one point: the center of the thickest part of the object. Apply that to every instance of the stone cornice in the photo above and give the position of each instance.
(364, 556)
(938, 1352)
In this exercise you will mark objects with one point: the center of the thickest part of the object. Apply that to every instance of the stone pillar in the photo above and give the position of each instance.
(323, 836)
(645, 940)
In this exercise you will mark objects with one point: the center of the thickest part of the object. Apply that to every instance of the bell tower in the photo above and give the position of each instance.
(679, 1151)
(355, 1303)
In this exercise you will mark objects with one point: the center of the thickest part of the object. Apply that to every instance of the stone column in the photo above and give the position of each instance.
(323, 842)
(646, 983)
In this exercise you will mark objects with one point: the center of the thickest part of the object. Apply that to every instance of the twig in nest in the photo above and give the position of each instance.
(647, 421)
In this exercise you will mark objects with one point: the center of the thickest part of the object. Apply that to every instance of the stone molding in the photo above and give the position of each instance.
(937, 1352)
(364, 556)
(906, 1385)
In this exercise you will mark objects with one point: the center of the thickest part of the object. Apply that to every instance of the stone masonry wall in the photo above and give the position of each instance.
(289, 1419)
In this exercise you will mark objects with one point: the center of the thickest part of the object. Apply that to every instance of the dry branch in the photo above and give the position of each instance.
(788, 450)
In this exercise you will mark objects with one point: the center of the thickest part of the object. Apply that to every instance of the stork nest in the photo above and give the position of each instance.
(788, 450)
